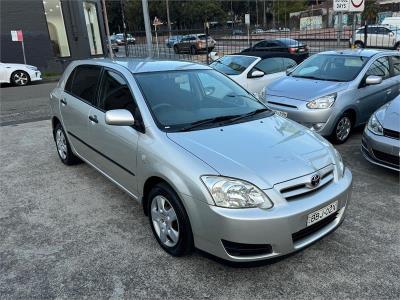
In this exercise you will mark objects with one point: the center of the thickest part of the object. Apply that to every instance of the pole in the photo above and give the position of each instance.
(124, 27)
(146, 17)
(264, 16)
(257, 13)
(340, 21)
(353, 30)
(23, 50)
(168, 20)
(232, 16)
(107, 29)
(158, 50)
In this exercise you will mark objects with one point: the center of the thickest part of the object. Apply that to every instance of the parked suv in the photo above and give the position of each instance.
(212, 166)
(195, 43)
(334, 91)
(378, 36)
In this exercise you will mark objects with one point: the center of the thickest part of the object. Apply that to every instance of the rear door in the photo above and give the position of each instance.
(114, 148)
(371, 97)
(76, 101)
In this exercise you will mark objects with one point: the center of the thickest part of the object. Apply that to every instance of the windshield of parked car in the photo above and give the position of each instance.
(196, 99)
(331, 67)
(233, 64)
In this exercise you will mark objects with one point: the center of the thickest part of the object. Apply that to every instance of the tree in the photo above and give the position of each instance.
(370, 11)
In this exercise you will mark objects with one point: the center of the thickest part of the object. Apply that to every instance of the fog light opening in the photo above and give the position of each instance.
(317, 126)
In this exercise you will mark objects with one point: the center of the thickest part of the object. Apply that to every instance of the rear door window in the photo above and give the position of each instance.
(396, 65)
(85, 83)
(380, 67)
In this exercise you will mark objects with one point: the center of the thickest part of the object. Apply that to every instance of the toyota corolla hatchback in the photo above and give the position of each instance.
(212, 167)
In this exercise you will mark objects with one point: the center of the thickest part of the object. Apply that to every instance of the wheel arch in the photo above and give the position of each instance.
(19, 70)
(148, 185)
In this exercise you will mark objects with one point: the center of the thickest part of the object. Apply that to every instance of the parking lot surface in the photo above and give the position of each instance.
(68, 232)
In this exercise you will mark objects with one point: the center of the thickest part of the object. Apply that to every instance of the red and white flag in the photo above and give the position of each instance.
(17, 35)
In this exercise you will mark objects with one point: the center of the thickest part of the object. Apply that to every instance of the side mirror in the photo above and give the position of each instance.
(372, 80)
(119, 117)
(255, 74)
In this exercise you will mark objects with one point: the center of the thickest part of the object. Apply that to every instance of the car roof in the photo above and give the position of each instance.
(265, 54)
(359, 52)
(146, 65)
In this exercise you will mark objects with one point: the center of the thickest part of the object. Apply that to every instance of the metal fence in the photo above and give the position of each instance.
(229, 41)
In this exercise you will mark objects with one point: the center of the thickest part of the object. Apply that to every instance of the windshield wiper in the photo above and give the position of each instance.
(252, 113)
(207, 121)
(307, 77)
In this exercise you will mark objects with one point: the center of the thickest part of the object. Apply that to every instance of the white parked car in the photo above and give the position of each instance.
(255, 70)
(378, 36)
(18, 74)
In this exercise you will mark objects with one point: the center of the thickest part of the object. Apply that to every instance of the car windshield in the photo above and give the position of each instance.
(331, 67)
(233, 64)
(195, 99)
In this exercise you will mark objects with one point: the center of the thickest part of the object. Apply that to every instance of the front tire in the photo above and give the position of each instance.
(20, 78)
(169, 221)
(397, 46)
(63, 147)
(342, 129)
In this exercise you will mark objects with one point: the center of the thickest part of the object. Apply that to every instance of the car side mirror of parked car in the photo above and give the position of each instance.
(372, 80)
(119, 117)
(255, 74)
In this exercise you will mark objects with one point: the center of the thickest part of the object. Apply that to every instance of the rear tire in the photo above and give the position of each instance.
(342, 129)
(176, 50)
(63, 147)
(169, 221)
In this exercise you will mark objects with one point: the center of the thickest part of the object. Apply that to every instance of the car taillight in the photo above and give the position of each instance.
(292, 50)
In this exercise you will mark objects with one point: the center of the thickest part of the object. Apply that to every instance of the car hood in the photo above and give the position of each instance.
(264, 152)
(390, 116)
(17, 65)
(303, 89)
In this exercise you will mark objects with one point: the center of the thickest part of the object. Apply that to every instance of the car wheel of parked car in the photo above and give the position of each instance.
(397, 47)
(63, 147)
(169, 221)
(193, 50)
(176, 50)
(20, 78)
(359, 44)
(342, 129)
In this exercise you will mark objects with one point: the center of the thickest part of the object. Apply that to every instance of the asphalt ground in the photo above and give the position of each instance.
(67, 232)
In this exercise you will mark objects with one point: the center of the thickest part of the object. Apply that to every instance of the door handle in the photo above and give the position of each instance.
(388, 92)
(93, 119)
(63, 102)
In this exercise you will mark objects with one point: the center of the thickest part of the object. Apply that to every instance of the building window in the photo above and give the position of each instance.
(92, 27)
(55, 23)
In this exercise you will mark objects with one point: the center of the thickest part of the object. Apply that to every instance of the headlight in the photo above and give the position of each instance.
(374, 126)
(32, 68)
(339, 163)
(322, 102)
(235, 193)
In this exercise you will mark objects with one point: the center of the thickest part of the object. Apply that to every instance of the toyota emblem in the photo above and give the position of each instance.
(315, 179)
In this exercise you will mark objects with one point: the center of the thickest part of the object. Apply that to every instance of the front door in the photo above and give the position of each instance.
(114, 148)
(371, 97)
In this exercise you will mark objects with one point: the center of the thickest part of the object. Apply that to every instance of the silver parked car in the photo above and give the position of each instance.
(332, 92)
(212, 166)
(381, 138)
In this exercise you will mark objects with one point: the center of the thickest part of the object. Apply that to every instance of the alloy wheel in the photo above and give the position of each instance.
(165, 221)
(20, 78)
(343, 128)
(61, 144)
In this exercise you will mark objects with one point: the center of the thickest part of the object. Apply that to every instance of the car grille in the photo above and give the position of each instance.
(298, 187)
(299, 235)
(238, 249)
(388, 158)
(391, 133)
(281, 104)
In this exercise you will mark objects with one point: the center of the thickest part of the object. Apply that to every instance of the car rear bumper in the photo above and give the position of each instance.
(230, 233)
(381, 150)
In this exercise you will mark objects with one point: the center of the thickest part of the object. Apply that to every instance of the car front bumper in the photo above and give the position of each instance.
(321, 121)
(275, 227)
(381, 150)
(35, 75)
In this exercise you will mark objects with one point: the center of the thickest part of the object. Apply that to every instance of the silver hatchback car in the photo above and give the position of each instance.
(212, 166)
(334, 91)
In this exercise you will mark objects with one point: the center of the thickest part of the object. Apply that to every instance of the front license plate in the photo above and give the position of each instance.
(322, 213)
(281, 113)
